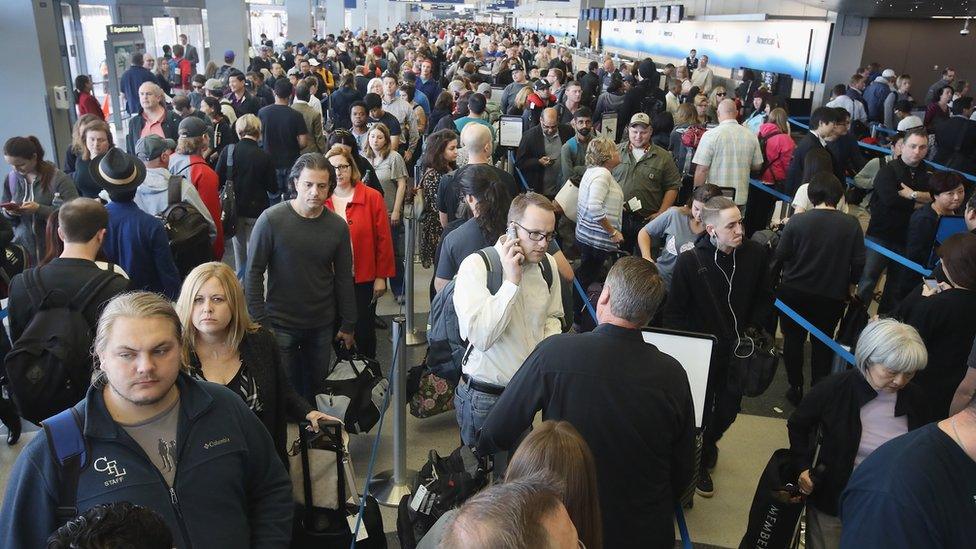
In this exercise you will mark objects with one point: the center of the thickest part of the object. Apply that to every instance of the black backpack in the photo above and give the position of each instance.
(49, 367)
(186, 228)
(652, 104)
(442, 484)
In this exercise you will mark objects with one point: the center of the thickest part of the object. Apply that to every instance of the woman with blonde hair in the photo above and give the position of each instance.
(221, 344)
(599, 209)
(364, 211)
(777, 147)
(717, 95)
(77, 147)
(702, 110)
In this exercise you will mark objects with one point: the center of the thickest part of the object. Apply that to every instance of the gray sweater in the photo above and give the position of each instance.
(29, 229)
(309, 266)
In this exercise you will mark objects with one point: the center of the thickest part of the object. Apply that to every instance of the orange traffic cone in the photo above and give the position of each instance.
(106, 108)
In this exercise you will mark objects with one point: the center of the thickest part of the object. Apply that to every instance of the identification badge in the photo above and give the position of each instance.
(634, 204)
(418, 499)
(177, 72)
(362, 533)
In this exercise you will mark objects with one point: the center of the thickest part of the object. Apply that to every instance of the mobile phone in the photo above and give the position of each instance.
(511, 233)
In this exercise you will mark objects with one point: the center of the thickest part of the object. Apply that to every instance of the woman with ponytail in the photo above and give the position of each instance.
(29, 192)
(84, 99)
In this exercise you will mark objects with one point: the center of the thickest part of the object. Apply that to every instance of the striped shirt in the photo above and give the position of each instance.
(599, 197)
(730, 151)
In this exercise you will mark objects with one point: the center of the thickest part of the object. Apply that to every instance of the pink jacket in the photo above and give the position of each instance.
(779, 152)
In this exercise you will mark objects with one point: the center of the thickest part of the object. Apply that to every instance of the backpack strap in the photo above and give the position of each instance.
(174, 190)
(92, 289)
(35, 290)
(66, 439)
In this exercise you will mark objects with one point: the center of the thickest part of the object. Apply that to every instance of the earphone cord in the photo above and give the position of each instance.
(740, 340)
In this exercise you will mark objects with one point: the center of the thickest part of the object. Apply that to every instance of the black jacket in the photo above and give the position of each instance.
(254, 177)
(531, 148)
(822, 253)
(834, 405)
(281, 403)
(955, 140)
(340, 105)
(171, 127)
(631, 403)
(795, 173)
(890, 213)
(632, 101)
(249, 104)
(691, 308)
(847, 156)
(948, 326)
(68, 275)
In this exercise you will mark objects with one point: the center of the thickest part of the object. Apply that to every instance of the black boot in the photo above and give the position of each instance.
(10, 419)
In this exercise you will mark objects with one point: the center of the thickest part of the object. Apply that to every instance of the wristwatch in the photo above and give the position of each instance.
(914, 195)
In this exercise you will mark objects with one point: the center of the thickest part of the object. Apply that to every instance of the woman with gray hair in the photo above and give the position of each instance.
(855, 412)
(599, 209)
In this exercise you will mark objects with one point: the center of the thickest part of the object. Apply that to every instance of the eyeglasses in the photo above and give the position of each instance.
(342, 167)
(537, 236)
(720, 94)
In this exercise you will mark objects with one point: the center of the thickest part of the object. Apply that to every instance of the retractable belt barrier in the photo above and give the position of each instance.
(679, 514)
(883, 150)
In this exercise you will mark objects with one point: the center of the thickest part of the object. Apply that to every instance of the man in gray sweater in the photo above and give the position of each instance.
(306, 252)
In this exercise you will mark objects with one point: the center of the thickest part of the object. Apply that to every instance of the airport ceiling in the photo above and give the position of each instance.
(898, 8)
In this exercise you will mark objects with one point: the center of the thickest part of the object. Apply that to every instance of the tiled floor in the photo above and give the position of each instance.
(719, 521)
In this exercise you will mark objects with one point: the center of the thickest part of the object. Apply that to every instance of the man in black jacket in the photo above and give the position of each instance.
(153, 117)
(898, 187)
(823, 129)
(955, 138)
(635, 411)
(242, 100)
(722, 288)
(591, 85)
(644, 97)
(538, 153)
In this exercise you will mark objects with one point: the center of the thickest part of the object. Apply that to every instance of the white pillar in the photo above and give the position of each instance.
(299, 20)
(376, 11)
(358, 19)
(335, 16)
(228, 30)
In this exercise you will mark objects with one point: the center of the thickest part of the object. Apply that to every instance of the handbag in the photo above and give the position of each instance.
(774, 516)
(434, 396)
(228, 198)
(354, 391)
(322, 476)
(754, 357)
(855, 319)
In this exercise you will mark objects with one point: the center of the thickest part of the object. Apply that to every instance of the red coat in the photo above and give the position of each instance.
(87, 104)
(369, 231)
(186, 72)
(207, 184)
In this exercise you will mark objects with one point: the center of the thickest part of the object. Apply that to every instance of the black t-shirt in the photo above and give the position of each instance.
(391, 122)
(457, 245)
(917, 490)
(280, 127)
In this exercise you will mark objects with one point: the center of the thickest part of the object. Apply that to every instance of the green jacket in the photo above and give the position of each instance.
(648, 179)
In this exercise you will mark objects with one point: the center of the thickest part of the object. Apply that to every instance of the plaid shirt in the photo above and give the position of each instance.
(730, 151)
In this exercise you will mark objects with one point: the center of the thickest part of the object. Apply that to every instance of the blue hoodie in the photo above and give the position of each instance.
(230, 489)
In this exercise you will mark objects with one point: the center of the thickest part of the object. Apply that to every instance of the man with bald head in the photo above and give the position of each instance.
(476, 142)
(539, 152)
(153, 118)
(727, 153)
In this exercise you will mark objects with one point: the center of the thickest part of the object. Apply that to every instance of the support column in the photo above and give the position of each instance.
(228, 28)
(358, 19)
(582, 28)
(299, 20)
(376, 12)
(335, 16)
(30, 33)
(844, 57)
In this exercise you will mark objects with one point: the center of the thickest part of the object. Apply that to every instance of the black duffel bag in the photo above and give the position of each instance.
(776, 507)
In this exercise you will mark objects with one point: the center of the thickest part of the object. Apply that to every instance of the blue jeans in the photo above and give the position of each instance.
(472, 408)
(285, 190)
(306, 355)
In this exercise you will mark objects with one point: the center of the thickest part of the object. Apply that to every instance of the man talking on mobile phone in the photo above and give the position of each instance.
(503, 326)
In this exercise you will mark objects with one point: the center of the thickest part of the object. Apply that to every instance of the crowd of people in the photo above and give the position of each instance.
(302, 171)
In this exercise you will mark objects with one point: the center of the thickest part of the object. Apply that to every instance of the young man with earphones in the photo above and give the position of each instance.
(720, 287)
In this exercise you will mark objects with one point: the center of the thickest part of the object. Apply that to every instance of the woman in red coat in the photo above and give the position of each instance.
(364, 211)
(777, 147)
(84, 100)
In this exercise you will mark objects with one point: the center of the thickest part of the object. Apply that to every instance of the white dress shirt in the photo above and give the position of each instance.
(504, 328)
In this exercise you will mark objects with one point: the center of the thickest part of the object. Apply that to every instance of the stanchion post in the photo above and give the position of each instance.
(412, 335)
(390, 486)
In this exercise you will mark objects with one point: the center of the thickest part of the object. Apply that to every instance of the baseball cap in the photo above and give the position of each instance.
(888, 73)
(484, 87)
(192, 126)
(640, 118)
(313, 61)
(229, 54)
(293, 71)
(288, 44)
(541, 84)
(152, 147)
(909, 123)
(214, 84)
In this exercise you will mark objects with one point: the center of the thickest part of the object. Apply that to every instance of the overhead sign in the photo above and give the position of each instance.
(123, 29)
